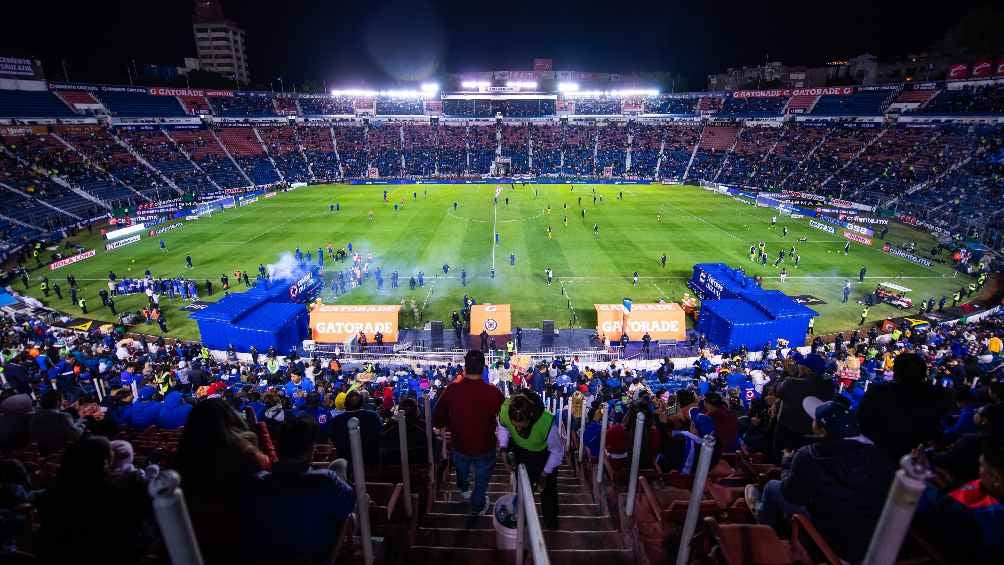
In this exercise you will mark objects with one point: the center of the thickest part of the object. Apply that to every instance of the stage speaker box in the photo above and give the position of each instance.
(547, 327)
(437, 333)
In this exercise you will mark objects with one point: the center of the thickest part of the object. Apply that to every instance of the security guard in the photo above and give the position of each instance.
(971, 289)
(82, 303)
(864, 314)
(45, 286)
(956, 298)
(981, 280)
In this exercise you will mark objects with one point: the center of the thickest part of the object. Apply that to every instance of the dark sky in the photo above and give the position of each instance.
(381, 43)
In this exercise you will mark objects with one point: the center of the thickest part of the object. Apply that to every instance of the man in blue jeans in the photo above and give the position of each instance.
(468, 409)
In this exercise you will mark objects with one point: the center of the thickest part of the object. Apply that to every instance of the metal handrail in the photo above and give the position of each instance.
(696, 495)
(901, 503)
(603, 445)
(362, 498)
(172, 517)
(582, 431)
(526, 518)
(402, 434)
(639, 431)
(430, 450)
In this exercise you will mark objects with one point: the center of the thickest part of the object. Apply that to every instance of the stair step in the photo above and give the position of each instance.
(579, 497)
(468, 521)
(591, 556)
(459, 556)
(570, 508)
(485, 539)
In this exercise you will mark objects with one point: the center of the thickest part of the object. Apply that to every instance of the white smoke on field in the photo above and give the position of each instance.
(286, 268)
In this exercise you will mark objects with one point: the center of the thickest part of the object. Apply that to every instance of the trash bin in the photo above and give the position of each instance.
(505, 534)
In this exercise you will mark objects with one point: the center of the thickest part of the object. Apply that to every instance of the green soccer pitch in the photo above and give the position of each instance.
(696, 226)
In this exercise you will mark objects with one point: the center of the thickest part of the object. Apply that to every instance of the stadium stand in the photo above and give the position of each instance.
(384, 145)
(671, 106)
(546, 141)
(201, 146)
(611, 149)
(324, 106)
(245, 147)
(286, 106)
(860, 103)
(351, 147)
(680, 143)
(766, 107)
(602, 106)
(161, 152)
(420, 150)
(284, 149)
(579, 150)
(196, 105)
(243, 106)
(752, 145)
(515, 146)
(801, 103)
(646, 145)
(395, 106)
(967, 101)
(32, 104)
(482, 144)
(716, 142)
(709, 105)
(840, 146)
(129, 176)
(140, 105)
(452, 150)
(319, 149)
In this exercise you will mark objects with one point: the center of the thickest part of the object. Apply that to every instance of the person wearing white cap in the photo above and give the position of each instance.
(839, 481)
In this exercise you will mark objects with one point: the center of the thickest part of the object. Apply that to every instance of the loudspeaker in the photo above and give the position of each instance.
(547, 339)
(437, 333)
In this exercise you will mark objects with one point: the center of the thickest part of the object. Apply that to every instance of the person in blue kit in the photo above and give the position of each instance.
(297, 384)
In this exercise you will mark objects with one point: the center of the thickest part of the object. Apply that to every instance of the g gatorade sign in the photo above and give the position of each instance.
(337, 323)
(496, 319)
(661, 321)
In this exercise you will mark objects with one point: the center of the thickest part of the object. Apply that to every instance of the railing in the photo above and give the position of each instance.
(402, 433)
(901, 503)
(528, 530)
(603, 445)
(172, 518)
(430, 450)
(696, 495)
(639, 431)
(362, 498)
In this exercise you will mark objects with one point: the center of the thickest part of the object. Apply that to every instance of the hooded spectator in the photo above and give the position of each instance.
(840, 482)
(174, 412)
(52, 428)
(905, 413)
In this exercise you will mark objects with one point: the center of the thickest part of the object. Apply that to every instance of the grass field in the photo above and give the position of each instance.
(697, 226)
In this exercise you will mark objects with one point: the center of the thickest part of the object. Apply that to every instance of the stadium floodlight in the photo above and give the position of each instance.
(430, 87)
(475, 84)
(568, 87)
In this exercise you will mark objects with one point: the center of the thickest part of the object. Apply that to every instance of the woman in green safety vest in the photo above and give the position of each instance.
(529, 435)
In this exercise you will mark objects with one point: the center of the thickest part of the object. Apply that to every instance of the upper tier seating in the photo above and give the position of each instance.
(32, 104)
(141, 105)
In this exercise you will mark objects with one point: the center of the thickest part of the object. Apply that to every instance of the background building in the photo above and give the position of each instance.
(219, 42)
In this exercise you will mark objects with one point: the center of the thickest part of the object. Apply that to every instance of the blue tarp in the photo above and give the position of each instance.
(736, 312)
(263, 317)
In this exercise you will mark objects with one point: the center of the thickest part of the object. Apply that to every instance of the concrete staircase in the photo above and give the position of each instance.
(449, 535)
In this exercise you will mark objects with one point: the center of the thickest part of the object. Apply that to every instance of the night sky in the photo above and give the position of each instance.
(384, 43)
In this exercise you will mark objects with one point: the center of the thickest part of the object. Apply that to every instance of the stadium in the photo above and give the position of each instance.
(499, 316)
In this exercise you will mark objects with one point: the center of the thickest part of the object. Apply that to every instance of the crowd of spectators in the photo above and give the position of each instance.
(420, 149)
(515, 146)
(602, 106)
(243, 433)
(397, 106)
(384, 148)
(319, 150)
(243, 106)
(324, 106)
(351, 148)
(984, 100)
(546, 140)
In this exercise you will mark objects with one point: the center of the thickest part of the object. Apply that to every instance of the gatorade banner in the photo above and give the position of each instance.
(496, 319)
(661, 321)
(331, 323)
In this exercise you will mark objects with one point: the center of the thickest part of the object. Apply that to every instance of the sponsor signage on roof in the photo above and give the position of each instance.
(834, 90)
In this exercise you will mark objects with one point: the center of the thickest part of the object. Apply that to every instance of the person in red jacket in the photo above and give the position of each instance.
(468, 410)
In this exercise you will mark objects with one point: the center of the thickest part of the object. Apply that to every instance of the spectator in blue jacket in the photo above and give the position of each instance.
(296, 508)
(174, 413)
(146, 411)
